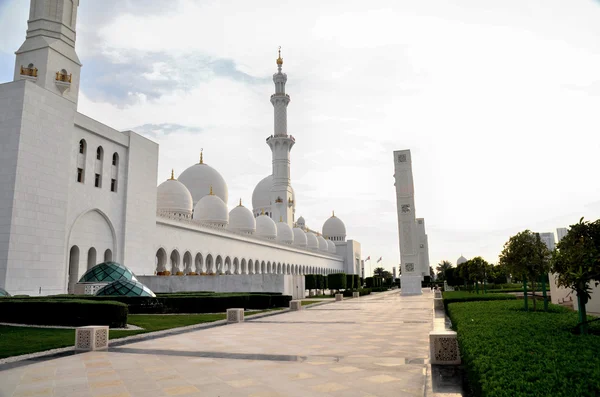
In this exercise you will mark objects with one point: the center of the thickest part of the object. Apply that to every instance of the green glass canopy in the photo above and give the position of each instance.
(3, 292)
(125, 288)
(107, 272)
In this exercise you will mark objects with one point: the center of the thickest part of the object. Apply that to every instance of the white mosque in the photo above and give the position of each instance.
(75, 192)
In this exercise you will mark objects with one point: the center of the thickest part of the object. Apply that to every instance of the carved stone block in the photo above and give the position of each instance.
(295, 305)
(356, 294)
(443, 348)
(235, 316)
(92, 337)
(339, 297)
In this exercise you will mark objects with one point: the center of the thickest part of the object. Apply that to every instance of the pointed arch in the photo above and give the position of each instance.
(236, 266)
(187, 262)
(243, 267)
(73, 268)
(174, 259)
(227, 269)
(161, 260)
(263, 267)
(210, 268)
(199, 263)
(219, 265)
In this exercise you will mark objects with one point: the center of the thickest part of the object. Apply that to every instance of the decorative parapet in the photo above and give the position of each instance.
(235, 316)
(92, 337)
(63, 81)
(29, 71)
(63, 77)
(443, 348)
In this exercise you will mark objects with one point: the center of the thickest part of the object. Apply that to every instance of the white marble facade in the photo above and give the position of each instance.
(75, 192)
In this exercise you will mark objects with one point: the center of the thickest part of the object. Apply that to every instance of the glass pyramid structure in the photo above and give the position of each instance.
(125, 288)
(107, 272)
(4, 293)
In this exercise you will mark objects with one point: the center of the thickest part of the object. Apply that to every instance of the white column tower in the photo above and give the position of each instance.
(423, 248)
(47, 57)
(410, 277)
(281, 144)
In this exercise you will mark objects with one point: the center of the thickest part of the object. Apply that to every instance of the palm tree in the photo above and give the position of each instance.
(441, 268)
(379, 272)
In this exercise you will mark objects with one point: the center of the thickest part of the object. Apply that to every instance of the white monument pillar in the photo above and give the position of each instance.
(281, 143)
(423, 248)
(410, 277)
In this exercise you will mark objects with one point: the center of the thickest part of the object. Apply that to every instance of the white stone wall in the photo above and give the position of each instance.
(286, 284)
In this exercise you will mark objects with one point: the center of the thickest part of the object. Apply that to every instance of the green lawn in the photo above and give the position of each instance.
(306, 303)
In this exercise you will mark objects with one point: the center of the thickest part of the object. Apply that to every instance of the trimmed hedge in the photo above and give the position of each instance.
(357, 283)
(379, 289)
(66, 312)
(361, 291)
(311, 282)
(463, 296)
(509, 352)
(369, 282)
(321, 281)
(350, 281)
(336, 281)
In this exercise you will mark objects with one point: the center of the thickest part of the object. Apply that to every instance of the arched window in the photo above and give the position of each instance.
(81, 161)
(114, 172)
(98, 167)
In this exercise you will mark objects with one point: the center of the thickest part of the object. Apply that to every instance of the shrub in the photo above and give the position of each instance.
(350, 281)
(462, 296)
(320, 281)
(66, 312)
(337, 281)
(361, 291)
(379, 289)
(377, 281)
(310, 281)
(325, 282)
(507, 351)
(357, 283)
(370, 282)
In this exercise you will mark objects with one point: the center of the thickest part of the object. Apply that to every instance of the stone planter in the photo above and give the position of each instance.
(339, 297)
(356, 294)
(295, 305)
(443, 348)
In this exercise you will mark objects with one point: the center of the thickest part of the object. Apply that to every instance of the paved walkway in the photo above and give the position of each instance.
(372, 346)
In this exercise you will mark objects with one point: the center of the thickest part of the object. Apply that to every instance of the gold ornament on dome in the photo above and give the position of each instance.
(279, 59)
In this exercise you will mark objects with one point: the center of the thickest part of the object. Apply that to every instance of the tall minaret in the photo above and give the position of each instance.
(47, 57)
(281, 144)
(408, 234)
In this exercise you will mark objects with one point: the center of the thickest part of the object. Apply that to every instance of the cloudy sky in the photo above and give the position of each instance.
(499, 102)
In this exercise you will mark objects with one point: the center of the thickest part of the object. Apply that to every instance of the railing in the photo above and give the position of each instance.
(32, 72)
(65, 78)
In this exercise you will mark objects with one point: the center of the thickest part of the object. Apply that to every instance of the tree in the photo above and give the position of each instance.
(576, 261)
(379, 271)
(477, 270)
(441, 269)
(431, 273)
(525, 255)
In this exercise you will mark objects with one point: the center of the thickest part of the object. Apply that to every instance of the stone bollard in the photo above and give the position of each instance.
(91, 337)
(443, 348)
(437, 294)
(295, 305)
(235, 316)
(356, 294)
(339, 297)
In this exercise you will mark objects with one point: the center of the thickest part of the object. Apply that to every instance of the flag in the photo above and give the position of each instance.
(368, 258)
(379, 260)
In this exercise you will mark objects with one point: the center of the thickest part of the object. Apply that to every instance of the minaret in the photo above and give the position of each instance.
(47, 57)
(281, 144)
(407, 226)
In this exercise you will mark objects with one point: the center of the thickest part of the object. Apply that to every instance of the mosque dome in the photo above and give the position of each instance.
(299, 237)
(311, 241)
(200, 177)
(461, 260)
(331, 246)
(322, 243)
(211, 209)
(172, 196)
(4, 293)
(301, 222)
(265, 227)
(334, 229)
(241, 220)
(261, 197)
(107, 272)
(284, 233)
(125, 288)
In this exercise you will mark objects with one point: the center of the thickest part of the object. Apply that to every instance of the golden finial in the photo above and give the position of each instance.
(280, 59)
(333, 214)
(240, 202)
(211, 192)
(201, 156)
(172, 174)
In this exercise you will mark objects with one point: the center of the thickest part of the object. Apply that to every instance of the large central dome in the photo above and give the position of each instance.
(199, 178)
(261, 197)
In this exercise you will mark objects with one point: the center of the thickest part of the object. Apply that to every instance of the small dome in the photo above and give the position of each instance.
(311, 241)
(199, 178)
(125, 288)
(261, 196)
(241, 220)
(107, 272)
(4, 293)
(322, 243)
(299, 238)
(172, 196)
(284, 233)
(212, 210)
(301, 222)
(334, 227)
(461, 260)
(265, 227)
(331, 246)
